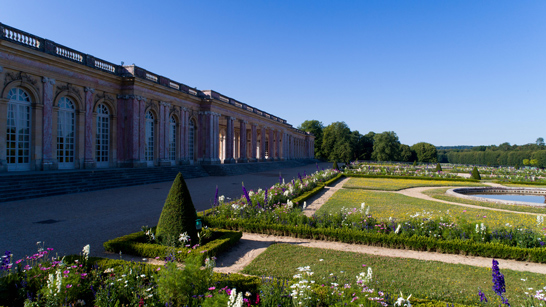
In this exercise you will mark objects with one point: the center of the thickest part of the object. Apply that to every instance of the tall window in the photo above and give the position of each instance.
(18, 130)
(149, 153)
(65, 133)
(102, 137)
(172, 139)
(191, 140)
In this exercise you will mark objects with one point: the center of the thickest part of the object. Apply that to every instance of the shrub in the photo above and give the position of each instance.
(438, 167)
(178, 215)
(335, 166)
(476, 174)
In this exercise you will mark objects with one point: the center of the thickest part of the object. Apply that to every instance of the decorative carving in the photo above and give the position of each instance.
(69, 88)
(165, 104)
(48, 80)
(88, 89)
(105, 97)
(24, 77)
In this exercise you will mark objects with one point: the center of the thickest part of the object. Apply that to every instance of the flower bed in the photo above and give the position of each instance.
(137, 244)
(390, 184)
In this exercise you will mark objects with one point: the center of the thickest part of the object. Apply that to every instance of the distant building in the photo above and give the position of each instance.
(64, 109)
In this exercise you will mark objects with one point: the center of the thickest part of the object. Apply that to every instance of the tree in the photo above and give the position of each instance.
(336, 142)
(406, 154)
(425, 152)
(316, 128)
(386, 146)
(178, 215)
(540, 141)
(367, 145)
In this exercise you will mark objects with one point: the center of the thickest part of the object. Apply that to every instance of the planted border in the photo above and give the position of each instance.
(314, 191)
(418, 243)
(135, 244)
(411, 177)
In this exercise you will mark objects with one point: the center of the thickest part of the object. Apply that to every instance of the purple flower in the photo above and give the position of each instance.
(216, 197)
(299, 176)
(482, 296)
(249, 202)
(280, 178)
(499, 286)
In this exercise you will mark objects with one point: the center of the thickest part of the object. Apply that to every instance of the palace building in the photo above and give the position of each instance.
(64, 109)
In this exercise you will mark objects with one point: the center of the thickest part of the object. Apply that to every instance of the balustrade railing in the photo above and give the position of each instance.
(174, 85)
(105, 66)
(69, 54)
(151, 77)
(193, 92)
(21, 37)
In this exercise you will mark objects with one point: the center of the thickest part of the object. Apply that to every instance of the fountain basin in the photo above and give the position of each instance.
(472, 193)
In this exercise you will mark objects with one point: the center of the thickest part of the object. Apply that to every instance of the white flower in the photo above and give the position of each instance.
(184, 237)
(85, 251)
(398, 229)
(304, 205)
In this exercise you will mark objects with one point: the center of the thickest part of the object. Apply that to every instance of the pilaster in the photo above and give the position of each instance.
(48, 163)
(164, 134)
(253, 143)
(88, 160)
(277, 144)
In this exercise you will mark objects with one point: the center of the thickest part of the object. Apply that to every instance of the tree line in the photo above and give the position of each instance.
(336, 142)
(532, 154)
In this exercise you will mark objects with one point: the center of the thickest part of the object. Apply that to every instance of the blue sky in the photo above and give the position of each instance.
(443, 72)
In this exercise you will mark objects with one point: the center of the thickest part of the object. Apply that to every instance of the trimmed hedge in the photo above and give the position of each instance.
(520, 182)
(135, 244)
(418, 243)
(314, 191)
(410, 177)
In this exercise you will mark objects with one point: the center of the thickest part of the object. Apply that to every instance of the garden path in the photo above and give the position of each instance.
(322, 197)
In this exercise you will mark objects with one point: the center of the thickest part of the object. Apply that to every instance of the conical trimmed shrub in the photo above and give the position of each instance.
(476, 174)
(335, 165)
(438, 167)
(178, 214)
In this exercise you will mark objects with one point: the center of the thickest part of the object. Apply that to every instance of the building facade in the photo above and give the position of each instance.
(64, 109)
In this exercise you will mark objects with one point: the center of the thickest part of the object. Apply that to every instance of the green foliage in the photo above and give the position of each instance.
(476, 174)
(425, 152)
(178, 215)
(136, 244)
(337, 142)
(386, 147)
(410, 177)
(407, 154)
(526, 162)
(335, 166)
(415, 163)
(178, 285)
(438, 167)
(300, 199)
(316, 128)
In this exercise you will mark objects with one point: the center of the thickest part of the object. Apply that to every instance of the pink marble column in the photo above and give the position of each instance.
(242, 142)
(89, 162)
(253, 142)
(277, 144)
(271, 145)
(262, 145)
(216, 137)
(229, 140)
(47, 124)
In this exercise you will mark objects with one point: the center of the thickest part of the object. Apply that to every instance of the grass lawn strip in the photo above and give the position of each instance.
(421, 278)
(387, 184)
(385, 205)
(440, 194)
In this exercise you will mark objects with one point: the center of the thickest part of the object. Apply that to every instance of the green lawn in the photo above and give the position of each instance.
(423, 279)
(384, 205)
(387, 184)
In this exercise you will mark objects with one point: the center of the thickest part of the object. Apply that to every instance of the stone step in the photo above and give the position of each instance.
(18, 186)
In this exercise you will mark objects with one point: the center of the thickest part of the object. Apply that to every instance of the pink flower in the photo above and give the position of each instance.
(68, 286)
(211, 288)
(464, 210)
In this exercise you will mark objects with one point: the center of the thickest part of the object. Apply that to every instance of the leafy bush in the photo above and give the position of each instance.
(178, 215)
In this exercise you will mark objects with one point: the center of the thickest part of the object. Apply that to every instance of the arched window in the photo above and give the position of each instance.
(191, 140)
(102, 137)
(66, 133)
(18, 130)
(172, 139)
(149, 152)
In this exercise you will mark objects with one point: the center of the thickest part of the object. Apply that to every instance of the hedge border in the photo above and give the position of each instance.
(411, 177)
(418, 243)
(320, 186)
(519, 182)
(132, 244)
